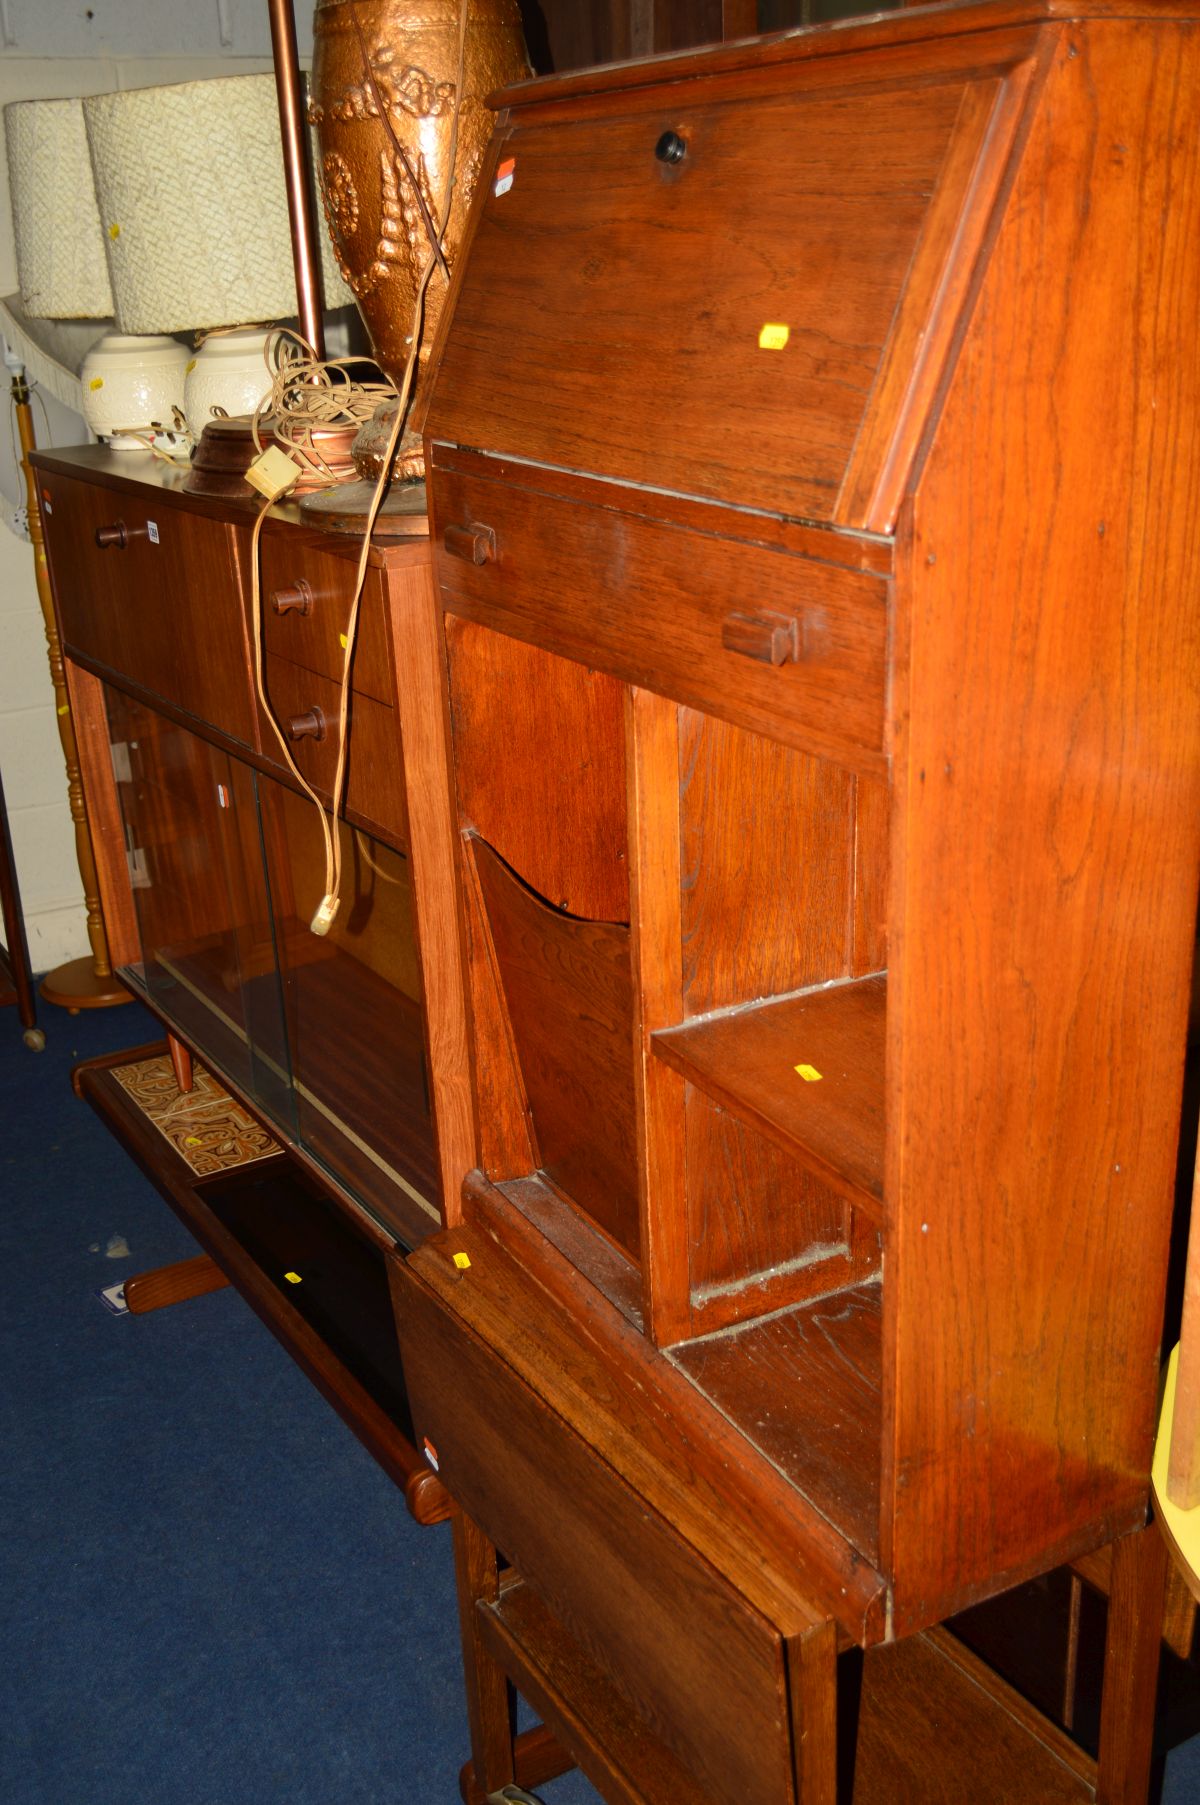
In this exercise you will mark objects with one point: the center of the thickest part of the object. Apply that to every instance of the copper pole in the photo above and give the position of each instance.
(290, 88)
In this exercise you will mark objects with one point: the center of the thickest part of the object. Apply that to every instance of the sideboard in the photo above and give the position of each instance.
(349, 1049)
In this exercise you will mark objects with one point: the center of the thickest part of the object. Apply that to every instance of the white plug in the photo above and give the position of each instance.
(322, 921)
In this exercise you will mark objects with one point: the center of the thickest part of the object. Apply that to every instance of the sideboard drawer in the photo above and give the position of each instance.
(375, 768)
(702, 1665)
(769, 640)
(306, 596)
(150, 591)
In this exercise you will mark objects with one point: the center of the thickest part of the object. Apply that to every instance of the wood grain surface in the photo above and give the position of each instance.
(1048, 775)
(749, 1058)
(626, 593)
(559, 822)
(568, 988)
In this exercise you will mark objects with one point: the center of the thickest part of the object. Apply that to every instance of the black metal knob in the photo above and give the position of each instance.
(671, 148)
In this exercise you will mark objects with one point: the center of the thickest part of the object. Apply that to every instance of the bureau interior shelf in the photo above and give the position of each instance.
(804, 1387)
(829, 1113)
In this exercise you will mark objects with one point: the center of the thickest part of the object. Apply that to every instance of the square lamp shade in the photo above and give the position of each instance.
(62, 271)
(189, 180)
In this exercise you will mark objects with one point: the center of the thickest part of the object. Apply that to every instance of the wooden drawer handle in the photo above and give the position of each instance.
(118, 535)
(310, 726)
(474, 544)
(298, 599)
(769, 638)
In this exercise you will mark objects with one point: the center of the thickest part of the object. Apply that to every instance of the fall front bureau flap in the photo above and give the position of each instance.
(739, 289)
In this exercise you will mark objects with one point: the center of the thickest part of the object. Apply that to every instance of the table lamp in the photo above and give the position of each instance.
(190, 186)
(61, 267)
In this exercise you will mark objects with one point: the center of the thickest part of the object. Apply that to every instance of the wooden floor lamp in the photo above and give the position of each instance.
(87, 982)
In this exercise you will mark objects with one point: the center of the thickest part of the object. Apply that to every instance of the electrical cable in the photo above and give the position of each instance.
(327, 908)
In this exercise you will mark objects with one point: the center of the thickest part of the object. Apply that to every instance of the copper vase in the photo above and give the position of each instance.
(400, 58)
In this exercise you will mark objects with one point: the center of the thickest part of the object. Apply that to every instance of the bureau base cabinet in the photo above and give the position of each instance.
(825, 773)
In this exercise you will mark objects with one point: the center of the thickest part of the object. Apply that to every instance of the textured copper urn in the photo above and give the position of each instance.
(383, 189)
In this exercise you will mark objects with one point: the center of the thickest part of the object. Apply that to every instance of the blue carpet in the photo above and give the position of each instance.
(209, 1594)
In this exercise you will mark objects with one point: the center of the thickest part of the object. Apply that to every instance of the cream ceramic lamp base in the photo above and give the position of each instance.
(228, 373)
(132, 387)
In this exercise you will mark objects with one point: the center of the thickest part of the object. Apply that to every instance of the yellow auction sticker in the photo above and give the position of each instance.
(773, 336)
(809, 1073)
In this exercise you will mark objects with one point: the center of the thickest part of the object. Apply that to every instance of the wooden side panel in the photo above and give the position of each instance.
(653, 760)
(104, 814)
(767, 866)
(539, 748)
(424, 728)
(872, 803)
(506, 1145)
(568, 989)
(1046, 863)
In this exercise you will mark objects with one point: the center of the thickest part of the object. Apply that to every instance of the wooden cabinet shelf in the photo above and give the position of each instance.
(803, 1386)
(830, 1114)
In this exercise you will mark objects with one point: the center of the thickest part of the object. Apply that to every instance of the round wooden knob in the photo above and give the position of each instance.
(310, 726)
(298, 599)
(117, 534)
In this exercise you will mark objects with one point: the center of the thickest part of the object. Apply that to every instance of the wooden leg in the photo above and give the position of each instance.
(538, 1758)
(173, 1284)
(812, 1683)
(1131, 1656)
(181, 1061)
(489, 1701)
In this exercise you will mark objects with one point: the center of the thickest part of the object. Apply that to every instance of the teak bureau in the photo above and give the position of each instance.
(814, 464)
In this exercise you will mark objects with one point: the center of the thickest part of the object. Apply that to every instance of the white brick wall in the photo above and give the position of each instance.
(53, 48)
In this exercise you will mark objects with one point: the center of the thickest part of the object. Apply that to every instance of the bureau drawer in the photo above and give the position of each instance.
(375, 767)
(769, 640)
(150, 591)
(704, 1668)
(306, 596)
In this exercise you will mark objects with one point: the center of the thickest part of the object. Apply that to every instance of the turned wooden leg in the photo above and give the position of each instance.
(1131, 1656)
(173, 1284)
(181, 1062)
